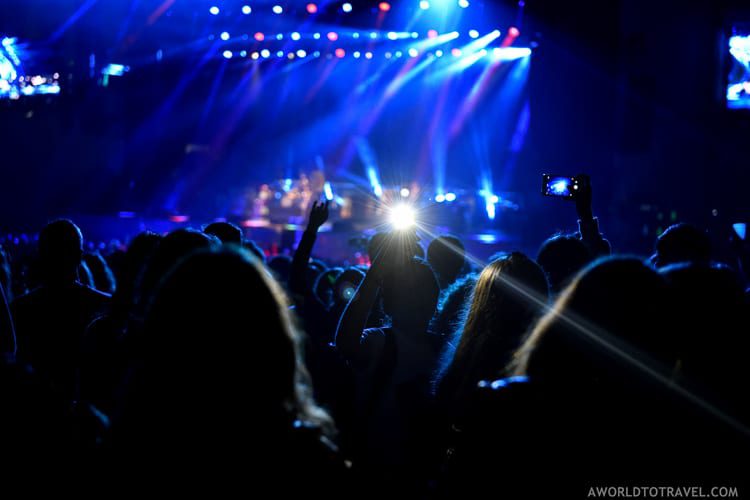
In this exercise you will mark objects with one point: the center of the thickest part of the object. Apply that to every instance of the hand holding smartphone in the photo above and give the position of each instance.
(559, 186)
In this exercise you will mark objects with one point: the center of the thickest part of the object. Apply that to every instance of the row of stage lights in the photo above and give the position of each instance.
(312, 8)
(373, 35)
(497, 52)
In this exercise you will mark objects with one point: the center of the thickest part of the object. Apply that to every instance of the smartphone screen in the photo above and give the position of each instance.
(559, 186)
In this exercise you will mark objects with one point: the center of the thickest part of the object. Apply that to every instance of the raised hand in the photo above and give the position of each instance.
(583, 197)
(318, 215)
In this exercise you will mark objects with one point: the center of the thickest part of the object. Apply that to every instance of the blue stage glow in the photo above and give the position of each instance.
(738, 85)
(346, 7)
(243, 53)
(463, 3)
(115, 69)
(280, 53)
(328, 191)
(246, 9)
(424, 5)
(279, 36)
(373, 35)
(224, 36)
(355, 35)
(214, 10)
(392, 35)
(438, 53)
(227, 54)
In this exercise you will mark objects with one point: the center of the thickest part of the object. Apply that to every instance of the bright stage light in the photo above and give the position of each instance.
(280, 53)
(368, 55)
(279, 36)
(214, 10)
(255, 55)
(311, 8)
(246, 9)
(295, 36)
(402, 217)
(224, 36)
(438, 53)
(347, 7)
(355, 35)
(414, 34)
(398, 53)
(332, 36)
(440, 198)
(413, 52)
(473, 33)
(424, 5)
(374, 35)
(243, 53)
(513, 32)
(277, 9)
(328, 191)
(227, 54)
(463, 3)
(456, 52)
(316, 36)
(392, 35)
(510, 53)
(384, 6)
(265, 53)
(356, 55)
(432, 34)
(301, 53)
(388, 55)
(450, 196)
(340, 52)
(259, 36)
(404, 192)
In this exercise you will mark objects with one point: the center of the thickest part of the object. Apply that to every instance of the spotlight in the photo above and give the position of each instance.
(374, 34)
(332, 36)
(355, 35)
(368, 55)
(398, 53)
(295, 36)
(392, 35)
(316, 53)
(440, 198)
(450, 196)
(227, 54)
(438, 53)
(432, 34)
(456, 52)
(402, 217)
(424, 5)
(413, 52)
(243, 53)
(246, 9)
(265, 53)
(473, 33)
(225, 36)
(513, 32)
(277, 9)
(463, 3)
(255, 55)
(316, 36)
(414, 34)
(301, 53)
(280, 53)
(347, 7)
(384, 6)
(404, 192)
(388, 55)
(340, 52)
(214, 10)
(356, 55)
(279, 36)
(311, 8)
(259, 36)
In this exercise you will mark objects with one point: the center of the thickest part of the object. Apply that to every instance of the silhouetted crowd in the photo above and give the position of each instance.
(188, 360)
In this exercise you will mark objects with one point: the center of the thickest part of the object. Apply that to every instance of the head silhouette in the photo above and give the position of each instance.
(60, 250)
(682, 243)
(323, 289)
(254, 249)
(225, 231)
(446, 255)
(219, 361)
(410, 294)
(561, 257)
(613, 312)
(509, 295)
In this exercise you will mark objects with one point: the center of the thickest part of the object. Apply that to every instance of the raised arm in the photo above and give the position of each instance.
(318, 217)
(588, 225)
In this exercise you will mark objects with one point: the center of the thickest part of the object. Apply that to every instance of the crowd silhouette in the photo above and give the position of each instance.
(433, 377)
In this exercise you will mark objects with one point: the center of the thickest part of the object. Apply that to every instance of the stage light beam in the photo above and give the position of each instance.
(402, 217)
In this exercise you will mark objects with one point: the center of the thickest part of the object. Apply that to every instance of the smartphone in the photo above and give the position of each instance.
(740, 229)
(559, 186)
